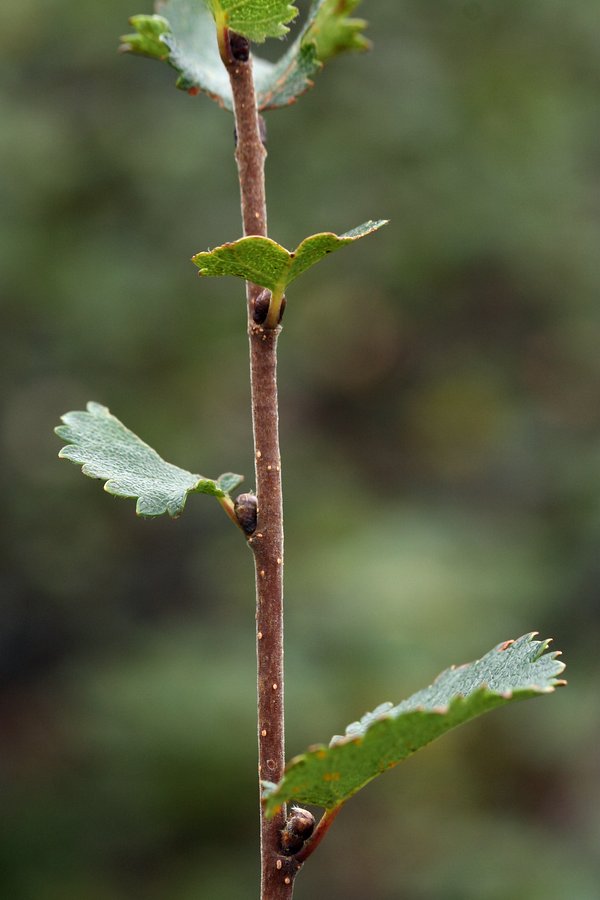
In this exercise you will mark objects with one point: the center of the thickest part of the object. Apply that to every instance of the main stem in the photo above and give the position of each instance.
(277, 870)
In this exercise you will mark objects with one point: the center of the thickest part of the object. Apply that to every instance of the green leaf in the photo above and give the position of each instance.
(147, 39)
(228, 482)
(185, 36)
(328, 776)
(189, 44)
(255, 19)
(268, 264)
(332, 31)
(106, 449)
(279, 83)
(327, 32)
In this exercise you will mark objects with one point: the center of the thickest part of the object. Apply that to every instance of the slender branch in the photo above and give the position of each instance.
(250, 153)
(277, 870)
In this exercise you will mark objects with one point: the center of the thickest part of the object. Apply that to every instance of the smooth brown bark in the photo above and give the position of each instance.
(277, 870)
(267, 542)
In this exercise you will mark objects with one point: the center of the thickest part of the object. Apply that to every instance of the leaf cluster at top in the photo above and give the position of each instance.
(183, 34)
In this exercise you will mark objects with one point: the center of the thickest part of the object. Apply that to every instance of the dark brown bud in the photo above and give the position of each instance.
(246, 508)
(260, 309)
(239, 46)
(297, 830)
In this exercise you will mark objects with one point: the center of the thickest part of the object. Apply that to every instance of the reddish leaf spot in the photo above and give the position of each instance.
(193, 91)
(505, 645)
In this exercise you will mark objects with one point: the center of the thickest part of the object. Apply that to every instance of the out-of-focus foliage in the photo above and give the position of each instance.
(440, 396)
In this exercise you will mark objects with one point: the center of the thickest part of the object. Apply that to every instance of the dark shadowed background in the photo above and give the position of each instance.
(440, 398)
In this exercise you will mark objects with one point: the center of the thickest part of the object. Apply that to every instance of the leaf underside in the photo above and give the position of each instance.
(266, 263)
(183, 34)
(328, 776)
(106, 449)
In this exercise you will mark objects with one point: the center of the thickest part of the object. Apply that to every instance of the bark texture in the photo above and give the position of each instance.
(277, 870)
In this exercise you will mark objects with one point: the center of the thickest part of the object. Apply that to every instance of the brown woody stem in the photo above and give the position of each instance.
(277, 870)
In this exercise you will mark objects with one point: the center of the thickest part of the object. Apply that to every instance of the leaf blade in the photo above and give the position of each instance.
(189, 38)
(266, 263)
(255, 19)
(108, 450)
(314, 248)
(256, 259)
(334, 32)
(328, 776)
(147, 38)
(228, 482)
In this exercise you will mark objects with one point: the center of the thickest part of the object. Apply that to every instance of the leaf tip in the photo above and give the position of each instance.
(97, 409)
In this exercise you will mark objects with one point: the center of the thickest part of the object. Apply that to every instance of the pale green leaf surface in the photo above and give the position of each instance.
(193, 49)
(328, 776)
(228, 482)
(106, 449)
(279, 83)
(184, 34)
(268, 264)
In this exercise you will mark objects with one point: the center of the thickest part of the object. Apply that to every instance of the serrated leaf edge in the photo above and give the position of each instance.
(203, 485)
(394, 712)
(255, 33)
(269, 789)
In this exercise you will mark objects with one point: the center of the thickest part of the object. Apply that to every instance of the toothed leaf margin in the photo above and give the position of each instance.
(106, 449)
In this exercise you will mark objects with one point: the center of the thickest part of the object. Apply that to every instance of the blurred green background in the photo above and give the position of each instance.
(440, 388)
